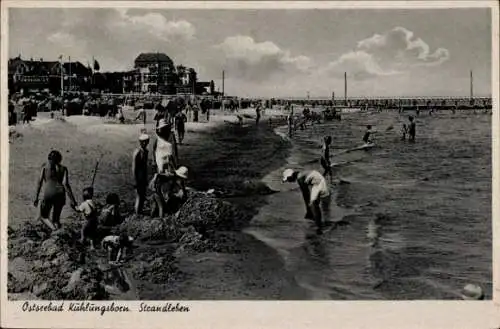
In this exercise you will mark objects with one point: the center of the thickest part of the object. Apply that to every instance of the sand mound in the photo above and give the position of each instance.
(43, 264)
(55, 265)
(148, 229)
(157, 266)
(206, 213)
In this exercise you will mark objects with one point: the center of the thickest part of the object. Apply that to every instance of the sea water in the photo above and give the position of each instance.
(416, 217)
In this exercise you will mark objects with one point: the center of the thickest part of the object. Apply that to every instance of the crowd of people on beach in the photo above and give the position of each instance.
(167, 187)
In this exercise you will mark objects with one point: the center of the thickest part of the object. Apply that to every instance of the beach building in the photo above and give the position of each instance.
(38, 75)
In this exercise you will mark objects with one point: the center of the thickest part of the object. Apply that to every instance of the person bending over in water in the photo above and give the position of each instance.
(325, 157)
(315, 192)
(411, 129)
(57, 186)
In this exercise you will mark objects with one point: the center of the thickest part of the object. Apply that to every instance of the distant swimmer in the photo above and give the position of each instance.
(290, 122)
(367, 136)
(315, 192)
(411, 129)
(404, 131)
(325, 157)
(258, 111)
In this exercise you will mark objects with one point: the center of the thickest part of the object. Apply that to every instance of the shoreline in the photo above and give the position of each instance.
(256, 271)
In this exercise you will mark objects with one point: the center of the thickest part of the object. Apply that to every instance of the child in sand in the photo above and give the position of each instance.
(89, 210)
(117, 247)
(110, 214)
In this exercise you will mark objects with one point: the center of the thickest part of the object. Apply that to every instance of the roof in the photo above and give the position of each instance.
(45, 67)
(154, 57)
(76, 68)
(34, 67)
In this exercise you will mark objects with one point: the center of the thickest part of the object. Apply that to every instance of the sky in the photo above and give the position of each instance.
(277, 53)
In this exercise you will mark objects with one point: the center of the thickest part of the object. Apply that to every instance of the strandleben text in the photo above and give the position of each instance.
(92, 307)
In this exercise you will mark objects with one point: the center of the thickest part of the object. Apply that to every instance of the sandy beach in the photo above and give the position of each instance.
(220, 155)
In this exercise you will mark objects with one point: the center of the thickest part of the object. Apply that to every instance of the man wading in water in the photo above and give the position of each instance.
(411, 129)
(325, 157)
(315, 192)
(140, 170)
(54, 195)
(258, 111)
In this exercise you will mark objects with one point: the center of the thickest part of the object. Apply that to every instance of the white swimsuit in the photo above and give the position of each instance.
(164, 156)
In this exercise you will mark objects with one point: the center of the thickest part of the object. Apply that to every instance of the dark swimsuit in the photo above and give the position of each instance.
(54, 195)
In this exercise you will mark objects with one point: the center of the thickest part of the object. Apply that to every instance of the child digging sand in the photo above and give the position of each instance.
(89, 211)
(110, 214)
(117, 247)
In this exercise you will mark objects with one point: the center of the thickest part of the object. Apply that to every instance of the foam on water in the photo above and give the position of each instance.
(417, 217)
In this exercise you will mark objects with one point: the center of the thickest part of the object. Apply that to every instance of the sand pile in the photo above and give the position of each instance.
(157, 266)
(55, 266)
(206, 213)
(45, 264)
(149, 229)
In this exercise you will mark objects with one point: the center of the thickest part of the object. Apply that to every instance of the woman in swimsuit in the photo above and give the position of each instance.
(57, 186)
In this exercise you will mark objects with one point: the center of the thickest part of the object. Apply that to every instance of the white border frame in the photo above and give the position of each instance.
(272, 314)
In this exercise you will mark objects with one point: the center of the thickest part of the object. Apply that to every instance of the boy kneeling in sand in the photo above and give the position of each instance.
(117, 247)
(168, 191)
(315, 192)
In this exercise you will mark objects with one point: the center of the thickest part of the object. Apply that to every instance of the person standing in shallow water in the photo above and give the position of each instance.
(258, 111)
(290, 123)
(325, 157)
(411, 129)
(367, 136)
(55, 177)
(140, 171)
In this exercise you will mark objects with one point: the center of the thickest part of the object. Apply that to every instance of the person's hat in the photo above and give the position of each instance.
(162, 124)
(182, 172)
(143, 137)
(472, 292)
(287, 174)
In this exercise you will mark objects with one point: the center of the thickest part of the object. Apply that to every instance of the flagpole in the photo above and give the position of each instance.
(69, 59)
(93, 66)
(471, 86)
(62, 77)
